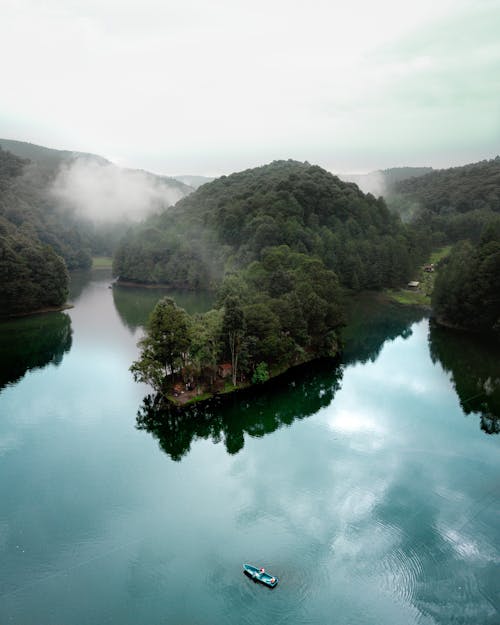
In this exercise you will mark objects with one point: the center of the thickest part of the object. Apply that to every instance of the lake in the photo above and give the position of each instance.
(369, 486)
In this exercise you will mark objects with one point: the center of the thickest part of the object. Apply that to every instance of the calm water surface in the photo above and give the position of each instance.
(370, 487)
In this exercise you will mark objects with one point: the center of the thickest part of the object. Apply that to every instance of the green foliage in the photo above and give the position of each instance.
(261, 373)
(229, 223)
(449, 205)
(233, 330)
(467, 289)
(165, 346)
(32, 275)
(27, 209)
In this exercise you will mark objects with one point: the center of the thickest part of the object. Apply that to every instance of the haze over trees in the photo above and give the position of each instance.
(59, 208)
(81, 204)
(451, 204)
(227, 224)
(277, 242)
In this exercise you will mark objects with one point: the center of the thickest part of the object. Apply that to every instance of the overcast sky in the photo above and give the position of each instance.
(210, 87)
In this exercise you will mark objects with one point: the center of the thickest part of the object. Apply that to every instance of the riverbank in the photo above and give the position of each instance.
(421, 295)
(39, 311)
(222, 387)
(102, 262)
(156, 285)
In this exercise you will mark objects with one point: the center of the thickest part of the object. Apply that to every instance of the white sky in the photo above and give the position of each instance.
(213, 87)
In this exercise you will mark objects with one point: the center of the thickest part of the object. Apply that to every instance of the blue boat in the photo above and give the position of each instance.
(260, 575)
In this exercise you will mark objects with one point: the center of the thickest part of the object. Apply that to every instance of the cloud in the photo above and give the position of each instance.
(214, 87)
(101, 191)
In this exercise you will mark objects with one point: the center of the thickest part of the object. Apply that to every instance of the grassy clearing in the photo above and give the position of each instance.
(409, 298)
(102, 262)
(439, 254)
(422, 295)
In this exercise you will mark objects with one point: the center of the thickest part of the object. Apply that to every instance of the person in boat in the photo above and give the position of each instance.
(262, 570)
(273, 579)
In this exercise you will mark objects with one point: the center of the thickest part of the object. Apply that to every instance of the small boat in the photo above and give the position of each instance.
(260, 575)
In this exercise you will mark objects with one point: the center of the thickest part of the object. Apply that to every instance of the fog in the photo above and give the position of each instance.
(101, 191)
(373, 183)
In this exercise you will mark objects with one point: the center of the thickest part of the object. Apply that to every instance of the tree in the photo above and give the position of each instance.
(261, 373)
(165, 346)
(205, 345)
(233, 328)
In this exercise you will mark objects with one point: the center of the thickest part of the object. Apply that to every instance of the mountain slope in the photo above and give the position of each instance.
(455, 203)
(228, 223)
(32, 275)
(81, 204)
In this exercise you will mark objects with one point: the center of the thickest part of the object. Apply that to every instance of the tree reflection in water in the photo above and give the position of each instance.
(257, 411)
(473, 363)
(297, 394)
(32, 343)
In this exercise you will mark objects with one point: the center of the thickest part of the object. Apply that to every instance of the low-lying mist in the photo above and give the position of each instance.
(101, 191)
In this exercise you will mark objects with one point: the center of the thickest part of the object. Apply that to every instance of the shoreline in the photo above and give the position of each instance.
(39, 311)
(162, 286)
(189, 397)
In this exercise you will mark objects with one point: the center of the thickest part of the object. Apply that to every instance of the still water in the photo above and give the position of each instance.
(370, 487)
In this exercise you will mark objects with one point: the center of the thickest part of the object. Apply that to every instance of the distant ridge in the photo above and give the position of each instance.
(194, 181)
(50, 159)
(383, 181)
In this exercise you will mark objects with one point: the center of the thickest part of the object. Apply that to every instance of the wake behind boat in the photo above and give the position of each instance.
(260, 575)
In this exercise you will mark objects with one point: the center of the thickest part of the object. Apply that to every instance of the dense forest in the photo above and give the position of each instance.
(467, 288)
(226, 224)
(71, 233)
(450, 204)
(43, 234)
(32, 275)
(277, 242)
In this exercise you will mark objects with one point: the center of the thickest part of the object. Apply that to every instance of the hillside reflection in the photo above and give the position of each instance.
(32, 343)
(474, 366)
(373, 320)
(135, 304)
(256, 412)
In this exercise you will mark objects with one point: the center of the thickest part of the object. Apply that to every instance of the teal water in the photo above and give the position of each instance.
(370, 487)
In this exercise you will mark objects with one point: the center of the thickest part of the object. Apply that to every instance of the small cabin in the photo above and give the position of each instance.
(225, 370)
(414, 284)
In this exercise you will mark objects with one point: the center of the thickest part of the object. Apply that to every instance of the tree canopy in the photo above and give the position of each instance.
(229, 223)
(32, 275)
(467, 289)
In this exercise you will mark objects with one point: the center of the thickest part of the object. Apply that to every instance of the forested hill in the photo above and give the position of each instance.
(78, 202)
(467, 289)
(47, 159)
(50, 160)
(32, 275)
(454, 203)
(228, 223)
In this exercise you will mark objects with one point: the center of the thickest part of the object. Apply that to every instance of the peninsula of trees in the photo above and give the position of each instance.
(277, 243)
